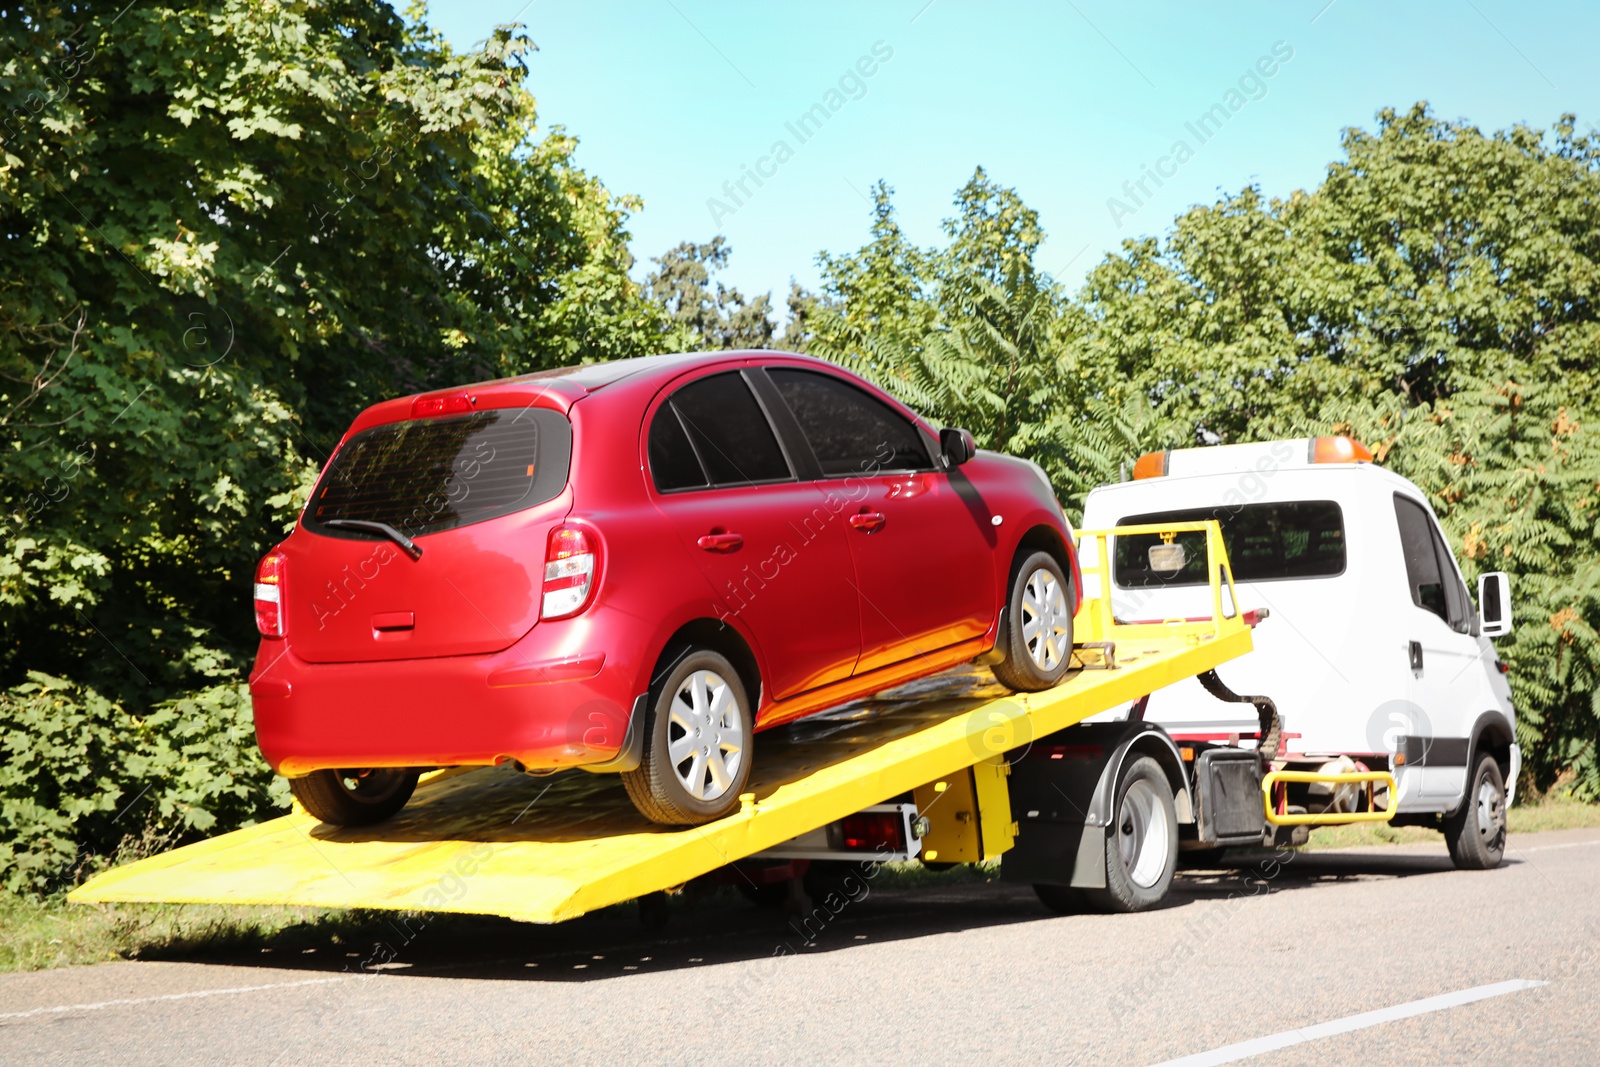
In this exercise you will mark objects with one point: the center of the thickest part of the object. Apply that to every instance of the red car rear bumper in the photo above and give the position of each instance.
(536, 702)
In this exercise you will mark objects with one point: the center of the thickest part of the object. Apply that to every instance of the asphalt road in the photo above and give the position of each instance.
(949, 972)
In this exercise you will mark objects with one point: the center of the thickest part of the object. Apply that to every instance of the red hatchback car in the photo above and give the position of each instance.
(635, 567)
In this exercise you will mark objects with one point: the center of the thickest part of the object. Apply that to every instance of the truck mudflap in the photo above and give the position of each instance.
(1064, 809)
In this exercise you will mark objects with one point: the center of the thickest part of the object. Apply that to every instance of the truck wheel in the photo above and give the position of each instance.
(1036, 633)
(1476, 835)
(1141, 842)
(696, 757)
(354, 797)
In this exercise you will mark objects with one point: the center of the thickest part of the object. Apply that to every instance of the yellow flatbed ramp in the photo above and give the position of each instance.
(492, 841)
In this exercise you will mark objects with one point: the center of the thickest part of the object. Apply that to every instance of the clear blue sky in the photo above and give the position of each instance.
(1064, 101)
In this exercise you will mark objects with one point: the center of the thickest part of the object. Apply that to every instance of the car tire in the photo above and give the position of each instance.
(1036, 632)
(1476, 834)
(1141, 842)
(701, 705)
(355, 798)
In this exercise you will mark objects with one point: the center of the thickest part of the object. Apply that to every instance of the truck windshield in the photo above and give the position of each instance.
(427, 475)
(1265, 542)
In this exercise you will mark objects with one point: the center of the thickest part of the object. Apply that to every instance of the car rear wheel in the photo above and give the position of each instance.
(1037, 635)
(696, 757)
(355, 797)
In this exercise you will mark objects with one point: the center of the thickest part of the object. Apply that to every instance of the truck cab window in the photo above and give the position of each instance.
(1423, 573)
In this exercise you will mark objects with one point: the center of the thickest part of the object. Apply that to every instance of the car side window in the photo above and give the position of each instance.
(673, 463)
(1422, 558)
(712, 432)
(850, 431)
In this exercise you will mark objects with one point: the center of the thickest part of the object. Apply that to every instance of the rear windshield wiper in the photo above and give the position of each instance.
(408, 546)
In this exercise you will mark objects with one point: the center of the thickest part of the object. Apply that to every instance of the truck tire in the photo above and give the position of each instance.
(1036, 632)
(700, 706)
(1476, 834)
(354, 797)
(1141, 842)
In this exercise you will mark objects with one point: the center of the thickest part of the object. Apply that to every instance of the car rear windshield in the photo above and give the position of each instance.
(428, 475)
(1300, 539)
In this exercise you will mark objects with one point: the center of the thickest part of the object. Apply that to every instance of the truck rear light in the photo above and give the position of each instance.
(455, 403)
(269, 594)
(873, 831)
(570, 564)
(1338, 450)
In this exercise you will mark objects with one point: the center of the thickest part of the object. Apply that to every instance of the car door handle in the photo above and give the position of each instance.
(868, 521)
(720, 542)
(1416, 655)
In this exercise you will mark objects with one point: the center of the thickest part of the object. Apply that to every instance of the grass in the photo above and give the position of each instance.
(35, 934)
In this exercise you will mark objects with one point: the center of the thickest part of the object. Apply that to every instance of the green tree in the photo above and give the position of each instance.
(706, 318)
(228, 228)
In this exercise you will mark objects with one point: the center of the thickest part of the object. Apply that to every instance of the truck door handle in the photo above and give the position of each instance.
(1416, 655)
(720, 542)
(868, 521)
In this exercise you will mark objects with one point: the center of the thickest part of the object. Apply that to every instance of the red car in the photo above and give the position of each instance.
(636, 567)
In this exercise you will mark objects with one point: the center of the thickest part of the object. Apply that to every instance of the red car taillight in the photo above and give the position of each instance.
(570, 564)
(269, 594)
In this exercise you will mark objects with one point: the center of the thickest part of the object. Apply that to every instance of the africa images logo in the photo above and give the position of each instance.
(1394, 720)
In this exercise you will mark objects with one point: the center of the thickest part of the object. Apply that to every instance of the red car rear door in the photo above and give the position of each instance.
(775, 557)
(919, 536)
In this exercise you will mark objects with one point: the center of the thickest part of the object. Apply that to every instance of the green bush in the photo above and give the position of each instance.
(82, 779)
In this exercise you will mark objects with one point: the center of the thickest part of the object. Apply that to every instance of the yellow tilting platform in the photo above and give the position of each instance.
(496, 842)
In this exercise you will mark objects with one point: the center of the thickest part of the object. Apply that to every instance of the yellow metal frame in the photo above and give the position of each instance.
(494, 842)
(1330, 818)
(1097, 613)
(968, 813)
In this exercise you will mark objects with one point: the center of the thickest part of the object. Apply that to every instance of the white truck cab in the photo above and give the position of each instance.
(1373, 650)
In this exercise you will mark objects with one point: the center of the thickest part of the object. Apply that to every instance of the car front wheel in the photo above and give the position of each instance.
(1036, 637)
(696, 757)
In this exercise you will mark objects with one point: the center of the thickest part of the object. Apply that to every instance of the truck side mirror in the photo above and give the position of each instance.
(957, 446)
(1494, 603)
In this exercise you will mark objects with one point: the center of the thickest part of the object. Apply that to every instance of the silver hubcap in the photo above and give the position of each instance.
(1491, 814)
(705, 735)
(1143, 835)
(1045, 620)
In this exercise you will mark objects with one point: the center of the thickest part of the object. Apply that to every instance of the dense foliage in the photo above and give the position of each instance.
(227, 227)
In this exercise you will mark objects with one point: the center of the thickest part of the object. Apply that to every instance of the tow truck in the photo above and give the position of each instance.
(949, 770)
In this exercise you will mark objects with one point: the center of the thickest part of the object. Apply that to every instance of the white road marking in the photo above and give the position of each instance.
(1273, 1042)
(1552, 848)
(123, 1002)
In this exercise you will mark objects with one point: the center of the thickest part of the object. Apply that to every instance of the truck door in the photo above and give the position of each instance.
(1442, 656)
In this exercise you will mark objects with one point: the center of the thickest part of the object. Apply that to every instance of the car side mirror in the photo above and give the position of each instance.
(957, 446)
(1494, 603)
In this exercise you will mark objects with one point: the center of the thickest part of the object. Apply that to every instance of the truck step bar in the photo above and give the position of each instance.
(1272, 798)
